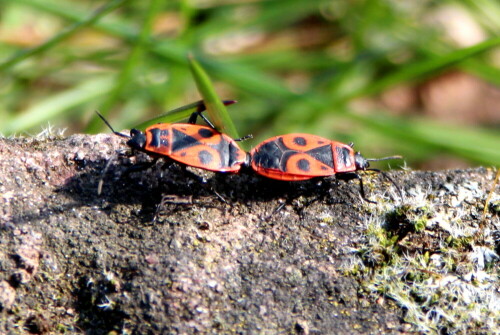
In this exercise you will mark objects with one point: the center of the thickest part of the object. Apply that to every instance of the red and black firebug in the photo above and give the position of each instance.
(295, 157)
(188, 143)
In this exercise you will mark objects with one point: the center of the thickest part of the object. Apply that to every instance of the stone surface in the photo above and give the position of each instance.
(171, 251)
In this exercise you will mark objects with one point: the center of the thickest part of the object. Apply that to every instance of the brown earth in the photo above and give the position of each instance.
(168, 251)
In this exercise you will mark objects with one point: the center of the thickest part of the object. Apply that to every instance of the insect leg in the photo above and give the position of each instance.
(201, 108)
(352, 175)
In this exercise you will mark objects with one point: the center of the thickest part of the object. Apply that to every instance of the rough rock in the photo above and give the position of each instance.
(168, 250)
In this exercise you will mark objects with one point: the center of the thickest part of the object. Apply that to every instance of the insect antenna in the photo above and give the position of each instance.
(109, 126)
(384, 158)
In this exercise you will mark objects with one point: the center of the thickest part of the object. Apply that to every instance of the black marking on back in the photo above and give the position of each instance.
(205, 133)
(274, 155)
(233, 153)
(182, 141)
(205, 157)
(299, 140)
(228, 152)
(322, 154)
(155, 137)
(269, 154)
(303, 165)
(343, 156)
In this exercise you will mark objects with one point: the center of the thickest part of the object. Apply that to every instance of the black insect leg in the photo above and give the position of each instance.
(192, 120)
(201, 108)
(276, 210)
(135, 168)
(194, 117)
(352, 175)
(140, 167)
(244, 138)
(385, 175)
(192, 175)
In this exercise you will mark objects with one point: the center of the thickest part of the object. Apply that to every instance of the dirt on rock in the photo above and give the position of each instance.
(174, 251)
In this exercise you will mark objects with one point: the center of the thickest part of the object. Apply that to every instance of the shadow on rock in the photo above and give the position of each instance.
(167, 183)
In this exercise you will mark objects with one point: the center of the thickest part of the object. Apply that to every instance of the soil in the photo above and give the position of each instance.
(169, 250)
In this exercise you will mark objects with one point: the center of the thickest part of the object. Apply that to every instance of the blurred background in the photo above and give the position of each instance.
(417, 78)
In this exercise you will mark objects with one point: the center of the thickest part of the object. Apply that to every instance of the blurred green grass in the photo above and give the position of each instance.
(294, 66)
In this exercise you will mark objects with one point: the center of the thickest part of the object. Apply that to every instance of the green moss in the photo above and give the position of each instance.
(495, 207)
(420, 224)
(407, 219)
(434, 277)
(60, 328)
(460, 243)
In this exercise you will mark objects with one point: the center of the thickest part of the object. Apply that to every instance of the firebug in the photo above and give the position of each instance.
(295, 157)
(188, 143)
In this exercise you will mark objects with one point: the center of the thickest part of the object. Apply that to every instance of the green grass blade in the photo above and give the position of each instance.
(130, 65)
(482, 70)
(75, 12)
(215, 108)
(23, 54)
(172, 116)
(247, 78)
(421, 70)
(408, 74)
(476, 145)
(57, 104)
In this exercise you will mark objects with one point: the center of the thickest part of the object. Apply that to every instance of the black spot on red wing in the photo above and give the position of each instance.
(323, 167)
(183, 154)
(205, 133)
(303, 165)
(182, 141)
(299, 140)
(322, 154)
(205, 157)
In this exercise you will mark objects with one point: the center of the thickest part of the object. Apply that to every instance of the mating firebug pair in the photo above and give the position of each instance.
(291, 157)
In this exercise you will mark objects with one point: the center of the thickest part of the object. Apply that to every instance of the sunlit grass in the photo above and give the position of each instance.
(299, 65)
